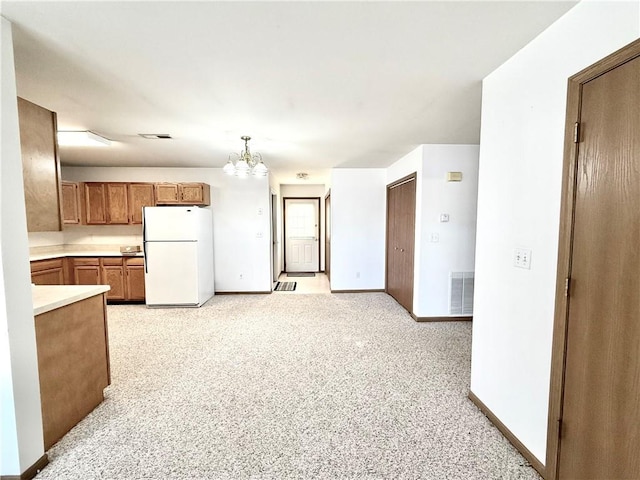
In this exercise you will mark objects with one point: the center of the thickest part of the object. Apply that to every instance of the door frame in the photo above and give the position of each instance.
(275, 266)
(565, 245)
(284, 228)
(327, 235)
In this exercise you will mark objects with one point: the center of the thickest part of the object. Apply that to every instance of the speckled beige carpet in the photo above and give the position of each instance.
(343, 386)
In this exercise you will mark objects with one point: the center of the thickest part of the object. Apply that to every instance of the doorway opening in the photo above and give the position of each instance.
(301, 234)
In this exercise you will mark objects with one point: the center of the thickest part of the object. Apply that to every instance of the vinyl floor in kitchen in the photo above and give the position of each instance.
(317, 284)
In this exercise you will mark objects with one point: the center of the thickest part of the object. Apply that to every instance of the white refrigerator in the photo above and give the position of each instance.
(178, 256)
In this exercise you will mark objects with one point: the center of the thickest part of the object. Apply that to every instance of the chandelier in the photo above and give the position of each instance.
(245, 163)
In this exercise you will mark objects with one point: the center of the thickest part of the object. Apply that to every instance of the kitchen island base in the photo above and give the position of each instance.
(73, 362)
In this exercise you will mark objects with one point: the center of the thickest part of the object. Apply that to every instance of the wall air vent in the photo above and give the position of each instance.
(155, 136)
(461, 293)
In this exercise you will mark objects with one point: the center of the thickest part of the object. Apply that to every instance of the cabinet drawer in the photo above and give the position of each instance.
(39, 265)
(112, 261)
(86, 261)
(135, 261)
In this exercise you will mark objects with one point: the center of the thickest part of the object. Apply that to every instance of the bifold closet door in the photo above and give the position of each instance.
(401, 208)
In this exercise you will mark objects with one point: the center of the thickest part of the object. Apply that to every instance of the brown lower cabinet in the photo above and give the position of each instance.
(134, 283)
(48, 272)
(125, 275)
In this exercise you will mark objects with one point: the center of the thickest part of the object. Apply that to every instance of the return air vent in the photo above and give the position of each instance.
(461, 293)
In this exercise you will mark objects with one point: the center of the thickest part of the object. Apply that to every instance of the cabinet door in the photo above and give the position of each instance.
(117, 203)
(194, 193)
(166, 193)
(70, 203)
(135, 281)
(191, 193)
(48, 272)
(95, 203)
(140, 195)
(40, 167)
(113, 276)
(86, 274)
(54, 276)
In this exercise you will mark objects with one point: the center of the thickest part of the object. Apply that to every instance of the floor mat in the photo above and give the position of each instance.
(301, 274)
(285, 286)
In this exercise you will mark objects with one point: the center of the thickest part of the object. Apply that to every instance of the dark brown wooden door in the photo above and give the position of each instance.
(401, 213)
(601, 405)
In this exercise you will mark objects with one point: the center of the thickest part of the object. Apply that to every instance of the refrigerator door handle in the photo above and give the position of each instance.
(144, 242)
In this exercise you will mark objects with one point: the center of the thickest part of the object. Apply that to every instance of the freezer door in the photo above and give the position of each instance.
(171, 273)
(171, 223)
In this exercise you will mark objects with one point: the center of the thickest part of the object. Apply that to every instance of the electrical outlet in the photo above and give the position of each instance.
(522, 258)
(357, 274)
(259, 235)
(240, 276)
(435, 238)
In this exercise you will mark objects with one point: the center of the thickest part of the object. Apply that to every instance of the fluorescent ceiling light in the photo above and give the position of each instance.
(83, 138)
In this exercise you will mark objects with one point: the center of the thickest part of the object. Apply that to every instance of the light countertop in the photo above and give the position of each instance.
(50, 297)
(80, 253)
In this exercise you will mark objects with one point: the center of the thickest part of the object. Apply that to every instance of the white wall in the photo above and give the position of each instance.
(21, 419)
(455, 249)
(358, 212)
(240, 214)
(523, 112)
(298, 191)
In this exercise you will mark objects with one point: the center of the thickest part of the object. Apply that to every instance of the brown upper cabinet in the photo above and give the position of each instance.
(120, 203)
(116, 203)
(70, 203)
(95, 203)
(183, 194)
(40, 167)
(140, 195)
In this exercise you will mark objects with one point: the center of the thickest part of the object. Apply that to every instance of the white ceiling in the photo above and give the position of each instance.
(316, 84)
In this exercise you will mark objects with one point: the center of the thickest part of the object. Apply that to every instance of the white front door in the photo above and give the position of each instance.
(301, 232)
